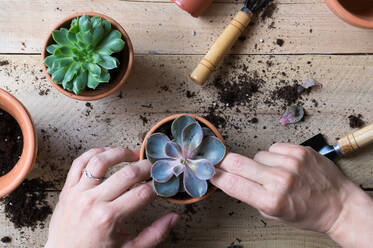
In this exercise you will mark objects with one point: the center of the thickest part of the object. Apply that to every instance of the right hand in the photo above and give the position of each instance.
(297, 186)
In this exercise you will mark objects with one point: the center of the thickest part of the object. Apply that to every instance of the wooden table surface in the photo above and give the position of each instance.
(168, 44)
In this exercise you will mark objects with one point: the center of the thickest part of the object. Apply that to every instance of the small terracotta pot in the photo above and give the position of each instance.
(123, 71)
(211, 189)
(355, 12)
(193, 7)
(15, 177)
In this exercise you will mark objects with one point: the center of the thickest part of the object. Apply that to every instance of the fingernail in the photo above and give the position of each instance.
(174, 220)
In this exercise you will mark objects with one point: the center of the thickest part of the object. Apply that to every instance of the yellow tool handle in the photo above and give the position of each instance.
(356, 140)
(222, 45)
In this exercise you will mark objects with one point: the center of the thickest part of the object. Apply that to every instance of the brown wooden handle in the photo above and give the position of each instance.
(356, 140)
(222, 45)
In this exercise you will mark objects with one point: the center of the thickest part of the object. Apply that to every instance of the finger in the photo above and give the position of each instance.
(134, 200)
(286, 149)
(246, 167)
(275, 159)
(154, 234)
(99, 164)
(123, 179)
(240, 188)
(79, 163)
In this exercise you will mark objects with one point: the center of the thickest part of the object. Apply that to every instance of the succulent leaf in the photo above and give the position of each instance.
(83, 53)
(155, 147)
(60, 36)
(178, 125)
(202, 168)
(163, 170)
(194, 186)
(108, 62)
(211, 149)
(207, 132)
(192, 136)
(167, 189)
(173, 150)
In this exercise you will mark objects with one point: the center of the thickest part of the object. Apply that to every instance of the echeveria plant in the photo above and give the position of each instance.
(185, 162)
(82, 56)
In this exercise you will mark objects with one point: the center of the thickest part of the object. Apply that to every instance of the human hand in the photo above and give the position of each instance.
(91, 213)
(292, 184)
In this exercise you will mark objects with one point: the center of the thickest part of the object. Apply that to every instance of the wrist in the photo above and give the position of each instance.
(351, 228)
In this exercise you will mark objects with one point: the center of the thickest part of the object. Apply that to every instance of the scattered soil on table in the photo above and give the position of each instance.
(11, 142)
(27, 206)
(235, 244)
(290, 94)
(190, 94)
(4, 62)
(44, 92)
(356, 121)
(268, 10)
(217, 120)
(232, 93)
(280, 42)
(6, 239)
(144, 120)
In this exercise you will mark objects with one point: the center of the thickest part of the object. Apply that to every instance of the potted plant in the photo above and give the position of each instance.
(87, 56)
(18, 146)
(184, 150)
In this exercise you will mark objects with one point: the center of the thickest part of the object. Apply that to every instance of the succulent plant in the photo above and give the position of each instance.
(82, 56)
(185, 163)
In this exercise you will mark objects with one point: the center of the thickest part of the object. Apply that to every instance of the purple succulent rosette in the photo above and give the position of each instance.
(185, 163)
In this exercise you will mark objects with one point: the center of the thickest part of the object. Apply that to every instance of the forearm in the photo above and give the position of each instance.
(354, 227)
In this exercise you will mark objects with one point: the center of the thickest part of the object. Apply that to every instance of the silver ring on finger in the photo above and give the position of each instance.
(89, 175)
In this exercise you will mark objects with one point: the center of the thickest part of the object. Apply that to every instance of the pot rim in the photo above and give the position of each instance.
(104, 92)
(211, 189)
(24, 165)
(337, 8)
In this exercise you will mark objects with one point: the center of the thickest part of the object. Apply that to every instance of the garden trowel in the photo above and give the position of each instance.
(346, 145)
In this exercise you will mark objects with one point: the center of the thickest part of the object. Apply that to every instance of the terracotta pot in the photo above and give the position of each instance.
(211, 188)
(116, 82)
(15, 177)
(193, 7)
(355, 12)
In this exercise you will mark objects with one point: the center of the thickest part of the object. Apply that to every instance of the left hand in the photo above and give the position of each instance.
(92, 214)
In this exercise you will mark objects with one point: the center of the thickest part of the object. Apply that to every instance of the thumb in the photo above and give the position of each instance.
(154, 234)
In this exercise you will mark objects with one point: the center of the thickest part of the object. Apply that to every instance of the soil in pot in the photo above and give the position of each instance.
(11, 142)
(166, 129)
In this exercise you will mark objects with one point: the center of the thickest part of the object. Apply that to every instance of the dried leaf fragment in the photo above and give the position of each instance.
(292, 115)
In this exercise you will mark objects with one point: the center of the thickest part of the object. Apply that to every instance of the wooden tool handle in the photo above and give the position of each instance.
(222, 45)
(356, 140)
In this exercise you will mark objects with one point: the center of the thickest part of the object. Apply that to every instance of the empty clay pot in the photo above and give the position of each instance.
(15, 177)
(211, 189)
(193, 7)
(117, 80)
(355, 12)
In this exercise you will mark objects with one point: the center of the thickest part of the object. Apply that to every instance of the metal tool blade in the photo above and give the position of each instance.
(319, 144)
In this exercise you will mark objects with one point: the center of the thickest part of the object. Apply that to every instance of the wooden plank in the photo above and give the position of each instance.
(66, 127)
(163, 28)
(217, 221)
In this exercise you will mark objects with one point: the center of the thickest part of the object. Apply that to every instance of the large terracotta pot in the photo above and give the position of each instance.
(211, 188)
(15, 177)
(355, 12)
(193, 7)
(126, 57)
